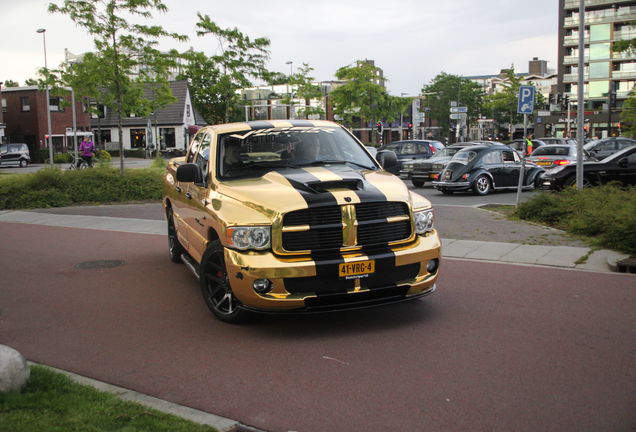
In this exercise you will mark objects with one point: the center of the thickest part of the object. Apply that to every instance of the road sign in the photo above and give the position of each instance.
(459, 110)
(457, 116)
(485, 120)
(525, 105)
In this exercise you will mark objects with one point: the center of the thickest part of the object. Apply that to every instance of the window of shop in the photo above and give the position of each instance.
(138, 138)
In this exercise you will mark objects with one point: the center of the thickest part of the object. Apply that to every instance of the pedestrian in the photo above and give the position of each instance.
(529, 144)
(86, 149)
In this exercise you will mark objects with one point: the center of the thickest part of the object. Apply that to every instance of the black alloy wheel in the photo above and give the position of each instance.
(482, 185)
(215, 286)
(174, 247)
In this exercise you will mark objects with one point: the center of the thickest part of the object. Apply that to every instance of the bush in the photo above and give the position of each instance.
(103, 156)
(52, 187)
(607, 214)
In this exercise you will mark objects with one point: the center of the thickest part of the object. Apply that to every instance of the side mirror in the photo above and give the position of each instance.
(622, 162)
(386, 158)
(189, 173)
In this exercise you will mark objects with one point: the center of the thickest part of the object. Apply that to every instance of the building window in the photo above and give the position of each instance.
(54, 104)
(167, 138)
(600, 51)
(598, 89)
(26, 105)
(4, 105)
(138, 138)
(599, 70)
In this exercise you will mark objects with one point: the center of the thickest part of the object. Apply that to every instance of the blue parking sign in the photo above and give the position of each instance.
(526, 100)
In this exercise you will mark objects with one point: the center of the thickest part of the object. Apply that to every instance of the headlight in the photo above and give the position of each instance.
(438, 166)
(554, 170)
(248, 237)
(424, 221)
(407, 167)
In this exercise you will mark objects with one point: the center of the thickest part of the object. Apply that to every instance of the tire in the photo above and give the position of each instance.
(571, 181)
(215, 286)
(482, 185)
(174, 247)
(23, 163)
(418, 183)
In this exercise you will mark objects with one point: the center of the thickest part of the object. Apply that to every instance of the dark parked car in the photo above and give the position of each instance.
(620, 166)
(600, 149)
(14, 154)
(520, 145)
(562, 141)
(551, 156)
(409, 150)
(420, 171)
(484, 168)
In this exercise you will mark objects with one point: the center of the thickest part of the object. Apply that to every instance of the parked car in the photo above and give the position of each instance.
(485, 168)
(372, 150)
(410, 150)
(520, 146)
(420, 171)
(553, 155)
(620, 167)
(15, 154)
(562, 141)
(600, 149)
(318, 227)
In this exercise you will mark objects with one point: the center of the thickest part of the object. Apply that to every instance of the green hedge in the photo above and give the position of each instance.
(606, 214)
(53, 187)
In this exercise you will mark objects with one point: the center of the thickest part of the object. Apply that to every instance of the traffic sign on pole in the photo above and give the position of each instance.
(525, 104)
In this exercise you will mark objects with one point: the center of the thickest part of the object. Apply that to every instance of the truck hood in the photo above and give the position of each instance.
(314, 187)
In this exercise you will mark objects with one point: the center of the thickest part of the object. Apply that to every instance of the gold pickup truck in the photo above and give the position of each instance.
(296, 216)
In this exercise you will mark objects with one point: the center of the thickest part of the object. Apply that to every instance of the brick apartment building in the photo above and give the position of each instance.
(25, 116)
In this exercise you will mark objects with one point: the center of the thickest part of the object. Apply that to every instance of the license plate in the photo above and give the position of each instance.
(356, 270)
(544, 163)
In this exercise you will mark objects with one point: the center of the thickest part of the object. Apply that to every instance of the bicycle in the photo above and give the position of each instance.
(79, 164)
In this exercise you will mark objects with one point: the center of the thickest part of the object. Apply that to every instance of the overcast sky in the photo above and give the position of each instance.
(411, 40)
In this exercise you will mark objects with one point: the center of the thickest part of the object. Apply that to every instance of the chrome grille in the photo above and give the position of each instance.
(326, 226)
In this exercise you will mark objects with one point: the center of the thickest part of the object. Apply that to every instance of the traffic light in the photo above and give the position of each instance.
(558, 100)
(551, 98)
(612, 93)
(410, 127)
(379, 127)
(566, 99)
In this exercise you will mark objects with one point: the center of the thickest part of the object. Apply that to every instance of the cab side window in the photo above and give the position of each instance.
(203, 156)
(194, 147)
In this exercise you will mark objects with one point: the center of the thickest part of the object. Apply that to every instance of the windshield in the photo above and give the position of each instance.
(589, 146)
(254, 152)
(464, 156)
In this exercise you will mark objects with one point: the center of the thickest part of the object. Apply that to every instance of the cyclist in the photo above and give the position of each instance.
(87, 148)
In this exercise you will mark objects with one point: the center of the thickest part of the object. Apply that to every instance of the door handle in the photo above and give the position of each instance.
(188, 195)
(178, 189)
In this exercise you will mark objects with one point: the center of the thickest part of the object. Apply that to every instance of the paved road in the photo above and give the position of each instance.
(498, 347)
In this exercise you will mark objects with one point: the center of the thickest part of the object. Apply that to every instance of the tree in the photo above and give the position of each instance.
(238, 59)
(445, 88)
(503, 105)
(11, 83)
(301, 84)
(126, 57)
(361, 97)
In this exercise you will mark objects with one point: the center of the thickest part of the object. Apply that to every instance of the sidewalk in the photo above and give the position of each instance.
(148, 219)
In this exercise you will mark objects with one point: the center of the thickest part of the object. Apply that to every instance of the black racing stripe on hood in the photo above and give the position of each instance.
(299, 178)
(302, 123)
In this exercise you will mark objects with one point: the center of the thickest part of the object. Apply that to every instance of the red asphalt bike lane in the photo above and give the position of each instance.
(497, 347)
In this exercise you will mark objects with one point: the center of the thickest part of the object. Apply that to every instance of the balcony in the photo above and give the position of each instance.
(574, 59)
(574, 40)
(574, 78)
(608, 18)
(574, 4)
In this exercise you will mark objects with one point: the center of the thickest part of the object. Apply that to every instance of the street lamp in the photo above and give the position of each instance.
(48, 102)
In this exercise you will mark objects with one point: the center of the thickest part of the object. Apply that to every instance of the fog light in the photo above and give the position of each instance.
(432, 265)
(263, 286)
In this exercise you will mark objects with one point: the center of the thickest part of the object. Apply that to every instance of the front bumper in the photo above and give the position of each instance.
(307, 285)
(451, 185)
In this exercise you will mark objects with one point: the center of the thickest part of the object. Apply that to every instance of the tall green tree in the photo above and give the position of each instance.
(238, 59)
(445, 88)
(301, 84)
(360, 97)
(126, 52)
(11, 83)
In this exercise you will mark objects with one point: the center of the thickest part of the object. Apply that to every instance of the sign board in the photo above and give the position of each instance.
(457, 116)
(459, 110)
(525, 104)
(485, 120)
(543, 113)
